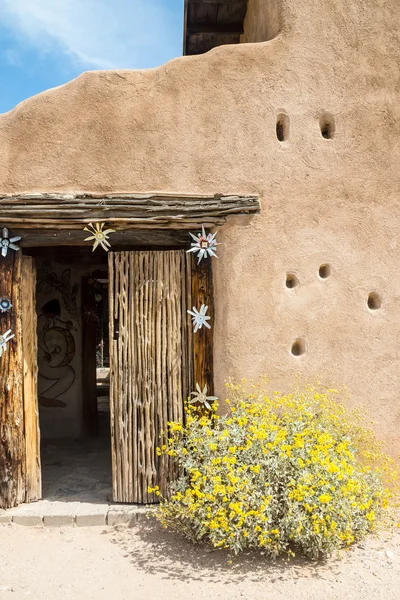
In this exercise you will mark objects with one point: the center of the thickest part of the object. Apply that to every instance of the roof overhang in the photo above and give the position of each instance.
(211, 23)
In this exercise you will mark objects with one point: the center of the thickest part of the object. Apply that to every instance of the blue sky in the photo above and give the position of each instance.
(44, 43)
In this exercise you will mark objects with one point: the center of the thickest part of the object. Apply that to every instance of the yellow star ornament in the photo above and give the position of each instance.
(99, 236)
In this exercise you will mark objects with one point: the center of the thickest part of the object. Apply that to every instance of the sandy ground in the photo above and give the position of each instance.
(148, 562)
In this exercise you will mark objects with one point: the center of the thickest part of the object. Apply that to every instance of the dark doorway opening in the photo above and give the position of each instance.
(73, 374)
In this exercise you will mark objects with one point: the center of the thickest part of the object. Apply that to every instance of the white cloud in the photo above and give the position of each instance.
(102, 34)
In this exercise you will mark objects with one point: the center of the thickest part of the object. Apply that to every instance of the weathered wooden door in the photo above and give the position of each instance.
(20, 474)
(150, 364)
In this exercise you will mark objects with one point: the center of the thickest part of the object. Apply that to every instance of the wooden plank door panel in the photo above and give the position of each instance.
(33, 482)
(149, 365)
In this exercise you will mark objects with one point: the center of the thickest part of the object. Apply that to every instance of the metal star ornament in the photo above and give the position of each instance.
(99, 236)
(201, 397)
(199, 318)
(5, 305)
(7, 243)
(4, 339)
(204, 244)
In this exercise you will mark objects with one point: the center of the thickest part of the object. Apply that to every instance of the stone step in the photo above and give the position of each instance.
(74, 514)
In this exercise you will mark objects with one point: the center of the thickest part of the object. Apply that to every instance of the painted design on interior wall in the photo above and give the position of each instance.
(199, 318)
(4, 339)
(5, 305)
(99, 236)
(204, 244)
(7, 243)
(201, 397)
(48, 281)
(56, 348)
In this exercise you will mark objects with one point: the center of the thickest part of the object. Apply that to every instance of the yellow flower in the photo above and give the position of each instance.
(325, 498)
(175, 426)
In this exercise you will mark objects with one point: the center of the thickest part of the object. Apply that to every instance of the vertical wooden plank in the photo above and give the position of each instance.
(160, 371)
(33, 483)
(114, 372)
(125, 404)
(150, 473)
(89, 378)
(141, 339)
(154, 378)
(125, 344)
(202, 293)
(131, 387)
(12, 442)
(181, 329)
(187, 323)
(139, 342)
(184, 329)
(145, 392)
(121, 402)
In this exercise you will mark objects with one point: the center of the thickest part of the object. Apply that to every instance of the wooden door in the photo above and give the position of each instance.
(150, 365)
(20, 479)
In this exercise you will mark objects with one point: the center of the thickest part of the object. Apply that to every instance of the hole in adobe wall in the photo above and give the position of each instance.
(324, 271)
(327, 125)
(374, 301)
(291, 280)
(282, 127)
(298, 347)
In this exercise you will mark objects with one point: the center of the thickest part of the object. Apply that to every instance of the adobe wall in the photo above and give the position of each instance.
(207, 124)
(264, 20)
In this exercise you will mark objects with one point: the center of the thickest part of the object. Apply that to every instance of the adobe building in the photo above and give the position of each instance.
(279, 129)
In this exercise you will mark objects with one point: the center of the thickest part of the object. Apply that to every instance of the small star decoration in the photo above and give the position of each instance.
(4, 339)
(204, 244)
(199, 318)
(99, 236)
(5, 305)
(7, 243)
(201, 397)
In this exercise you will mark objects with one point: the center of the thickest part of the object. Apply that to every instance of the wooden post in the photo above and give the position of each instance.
(202, 293)
(31, 409)
(12, 442)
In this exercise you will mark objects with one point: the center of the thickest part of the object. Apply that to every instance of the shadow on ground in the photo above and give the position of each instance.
(158, 551)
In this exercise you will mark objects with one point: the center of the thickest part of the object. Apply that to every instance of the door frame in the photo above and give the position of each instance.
(57, 219)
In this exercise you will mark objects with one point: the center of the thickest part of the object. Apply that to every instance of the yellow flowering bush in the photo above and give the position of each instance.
(278, 472)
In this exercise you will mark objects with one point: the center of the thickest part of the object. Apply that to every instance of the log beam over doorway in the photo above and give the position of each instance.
(123, 211)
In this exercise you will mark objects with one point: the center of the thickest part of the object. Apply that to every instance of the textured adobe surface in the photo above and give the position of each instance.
(207, 124)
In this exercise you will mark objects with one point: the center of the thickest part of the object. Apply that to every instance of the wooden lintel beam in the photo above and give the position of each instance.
(135, 238)
(122, 211)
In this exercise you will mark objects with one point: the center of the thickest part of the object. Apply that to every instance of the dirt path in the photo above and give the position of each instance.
(148, 562)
